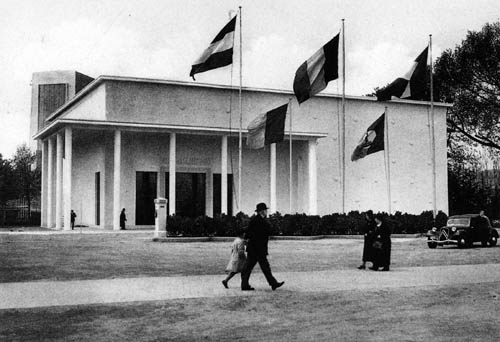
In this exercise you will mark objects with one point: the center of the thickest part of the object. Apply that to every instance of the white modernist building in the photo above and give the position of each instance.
(118, 142)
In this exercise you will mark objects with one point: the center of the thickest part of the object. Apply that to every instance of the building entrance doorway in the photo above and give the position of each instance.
(189, 193)
(145, 194)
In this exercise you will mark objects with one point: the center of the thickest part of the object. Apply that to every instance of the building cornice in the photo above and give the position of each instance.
(146, 127)
(103, 78)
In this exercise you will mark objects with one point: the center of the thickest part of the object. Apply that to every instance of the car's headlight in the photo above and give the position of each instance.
(453, 229)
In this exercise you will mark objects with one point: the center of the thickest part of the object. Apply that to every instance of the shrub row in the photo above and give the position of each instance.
(301, 224)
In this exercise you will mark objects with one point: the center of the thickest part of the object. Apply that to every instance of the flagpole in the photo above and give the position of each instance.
(387, 160)
(343, 117)
(291, 164)
(433, 139)
(240, 138)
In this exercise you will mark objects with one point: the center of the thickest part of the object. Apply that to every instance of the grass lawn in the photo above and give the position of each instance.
(457, 313)
(101, 256)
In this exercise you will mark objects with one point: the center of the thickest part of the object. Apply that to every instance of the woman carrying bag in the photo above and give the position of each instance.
(381, 245)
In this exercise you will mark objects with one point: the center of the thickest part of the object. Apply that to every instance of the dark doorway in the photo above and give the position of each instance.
(145, 194)
(217, 196)
(189, 193)
(97, 198)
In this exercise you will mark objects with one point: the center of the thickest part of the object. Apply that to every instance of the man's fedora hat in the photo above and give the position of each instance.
(261, 206)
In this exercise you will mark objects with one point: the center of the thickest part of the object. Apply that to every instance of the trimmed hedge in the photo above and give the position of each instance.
(301, 224)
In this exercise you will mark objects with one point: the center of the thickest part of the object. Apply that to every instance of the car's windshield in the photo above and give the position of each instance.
(459, 222)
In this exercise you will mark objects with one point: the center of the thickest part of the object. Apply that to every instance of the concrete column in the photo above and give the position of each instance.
(171, 171)
(68, 156)
(313, 181)
(50, 183)
(59, 180)
(117, 179)
(273, 178)
(223, 176)
(43, 195)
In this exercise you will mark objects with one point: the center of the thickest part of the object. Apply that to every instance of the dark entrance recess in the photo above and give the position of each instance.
(189, 193)
(217, 196)
(145, 194)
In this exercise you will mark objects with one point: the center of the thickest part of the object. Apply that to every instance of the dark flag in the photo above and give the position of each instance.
(219, 53)
(267, 128)
(372, 141)
(412, 85)
(315, 73)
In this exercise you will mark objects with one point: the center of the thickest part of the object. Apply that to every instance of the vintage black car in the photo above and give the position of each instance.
(463, 230)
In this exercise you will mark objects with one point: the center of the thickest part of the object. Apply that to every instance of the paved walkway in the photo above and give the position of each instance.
(54, 293)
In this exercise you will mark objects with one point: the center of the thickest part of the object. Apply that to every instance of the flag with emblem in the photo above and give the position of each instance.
(372, 140)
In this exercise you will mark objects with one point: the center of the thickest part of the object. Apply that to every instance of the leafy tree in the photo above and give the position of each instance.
(27, 180)
(7, 190)
(469, 76)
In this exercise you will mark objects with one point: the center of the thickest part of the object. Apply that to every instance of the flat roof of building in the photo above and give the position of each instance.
(104, 78)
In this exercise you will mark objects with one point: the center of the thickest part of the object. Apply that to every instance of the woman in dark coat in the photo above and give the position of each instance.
(368, 232)
(382, 237)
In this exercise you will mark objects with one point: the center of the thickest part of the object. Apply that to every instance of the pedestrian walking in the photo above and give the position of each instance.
(368, 231)
(381, 244)
(237, 259)
(123, 219)
(257, 236)
(72, 218)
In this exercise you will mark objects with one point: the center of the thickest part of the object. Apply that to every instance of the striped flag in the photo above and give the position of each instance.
(219, 53)
(315, 73)
(372, 141)
(412, 85)
(267, 128)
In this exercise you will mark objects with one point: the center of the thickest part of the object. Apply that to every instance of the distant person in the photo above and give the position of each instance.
(237, 259)
(368, 231)
(485, 218)
(381, 245)
(258, 236)
(123, 219)
(73, 217)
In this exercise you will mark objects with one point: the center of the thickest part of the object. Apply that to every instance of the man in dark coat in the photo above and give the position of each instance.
(72, 217)
(258, 236)
(123, 219)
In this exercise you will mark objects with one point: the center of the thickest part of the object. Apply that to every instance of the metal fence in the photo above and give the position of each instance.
(18, 212)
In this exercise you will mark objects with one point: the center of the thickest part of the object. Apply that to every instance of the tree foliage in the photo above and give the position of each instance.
(26, 180)
(469, 76)
(7, 191)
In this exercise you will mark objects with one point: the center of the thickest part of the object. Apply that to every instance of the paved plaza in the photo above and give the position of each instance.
(119, 290)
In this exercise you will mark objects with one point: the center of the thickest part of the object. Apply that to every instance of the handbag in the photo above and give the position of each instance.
(377, 244)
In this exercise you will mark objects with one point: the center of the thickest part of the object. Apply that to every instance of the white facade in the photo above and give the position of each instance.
(120, 134)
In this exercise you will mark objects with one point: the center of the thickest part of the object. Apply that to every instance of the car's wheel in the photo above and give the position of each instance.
(462, 243)
(432, 244)
(493, 241)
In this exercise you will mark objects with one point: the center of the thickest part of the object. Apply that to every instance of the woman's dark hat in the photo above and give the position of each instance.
(261, 206)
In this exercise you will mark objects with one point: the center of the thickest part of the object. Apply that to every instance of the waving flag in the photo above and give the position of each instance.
(315, 73)
(412, 85)
(219, 53)
(267, 128)
(372, 141)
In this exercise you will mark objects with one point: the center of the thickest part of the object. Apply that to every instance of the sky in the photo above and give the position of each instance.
(162, 38)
